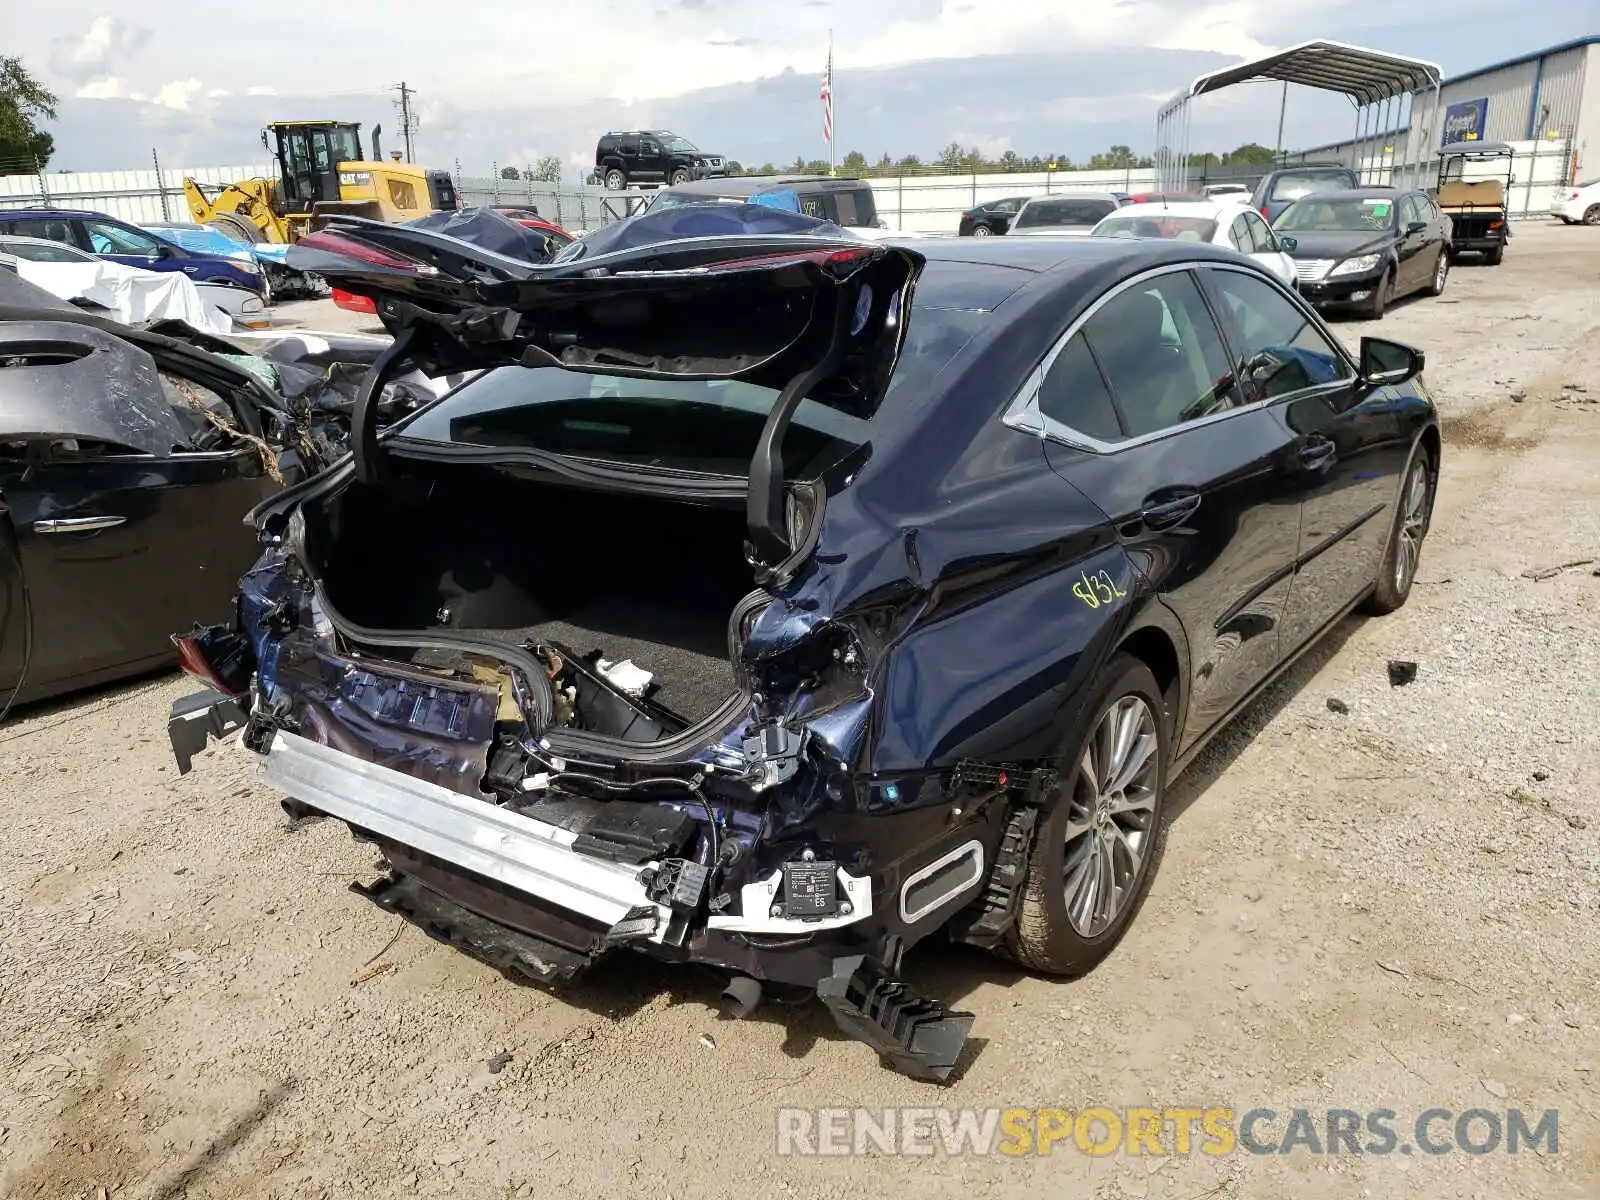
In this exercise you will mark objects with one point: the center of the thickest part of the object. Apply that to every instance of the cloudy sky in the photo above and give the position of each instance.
(504, 81)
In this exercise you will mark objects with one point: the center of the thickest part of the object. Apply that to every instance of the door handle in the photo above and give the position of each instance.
(1317, 453)
(77, 524)
(1170, 512)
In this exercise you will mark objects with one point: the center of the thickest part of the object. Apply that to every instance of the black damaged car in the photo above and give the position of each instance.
(779, 600)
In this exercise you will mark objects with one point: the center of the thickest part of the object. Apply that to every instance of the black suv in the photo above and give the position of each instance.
(656, 156)
(846, 202)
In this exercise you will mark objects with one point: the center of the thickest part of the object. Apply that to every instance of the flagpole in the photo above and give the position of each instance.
(833, 133)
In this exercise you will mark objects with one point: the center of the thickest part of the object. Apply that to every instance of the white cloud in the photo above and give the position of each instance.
(177, 94)
(260, 90)
(98, 50)
(105, 88)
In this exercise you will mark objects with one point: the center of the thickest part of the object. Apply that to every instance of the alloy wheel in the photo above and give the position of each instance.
(1110, 822)
(1591, 215)
(981, 231)
(1413, 520)
(1440, 270)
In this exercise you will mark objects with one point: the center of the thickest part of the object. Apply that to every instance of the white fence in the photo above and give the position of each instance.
(135, 196)
(925, 203)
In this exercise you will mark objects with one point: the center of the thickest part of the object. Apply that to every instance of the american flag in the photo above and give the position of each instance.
(825, 94)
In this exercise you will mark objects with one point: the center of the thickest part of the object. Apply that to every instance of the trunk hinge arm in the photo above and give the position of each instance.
(366, 457)
(764, 508)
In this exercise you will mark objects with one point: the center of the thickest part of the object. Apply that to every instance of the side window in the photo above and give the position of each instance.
(114, 239)
(1239, 235)
(1408, 212)
(812, 207)
(844, 204)
(649, 148)
(1005, 206)
(628, 146)
(1260, 236)
(1161, 354)
(52, 229)
(1281, 351)
(1074, 393)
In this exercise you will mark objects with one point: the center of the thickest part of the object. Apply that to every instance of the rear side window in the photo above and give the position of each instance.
(1075, 394)
(845, 205)
(51, 229)
(1161, 354)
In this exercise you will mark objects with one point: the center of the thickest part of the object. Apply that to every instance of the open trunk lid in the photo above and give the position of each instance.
(699, 292)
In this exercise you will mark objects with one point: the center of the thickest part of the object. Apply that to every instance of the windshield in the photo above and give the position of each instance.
(1352, 215)
(701, 425)
(1183, 229)
(1292, 187)
(681, 145)
(670, 198)
(1072, 213)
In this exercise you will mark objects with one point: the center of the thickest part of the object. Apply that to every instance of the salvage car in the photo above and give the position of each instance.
(1074, 214)
(989, 219)
(1366, 247)
(128, 459)
(1220, 222)
(775, 601)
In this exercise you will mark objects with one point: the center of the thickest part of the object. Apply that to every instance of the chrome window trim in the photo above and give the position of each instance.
(1024, 414)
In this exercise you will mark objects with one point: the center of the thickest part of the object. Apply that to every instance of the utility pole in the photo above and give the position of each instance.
(1283, 105)
(408, 122)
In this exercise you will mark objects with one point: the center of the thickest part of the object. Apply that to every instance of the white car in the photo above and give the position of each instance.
(1234, 193)
(241, 307)
(1578, 203)
(1220, 222)
(1071, 213)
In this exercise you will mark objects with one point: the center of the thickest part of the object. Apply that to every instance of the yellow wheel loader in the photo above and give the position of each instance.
(321, 172)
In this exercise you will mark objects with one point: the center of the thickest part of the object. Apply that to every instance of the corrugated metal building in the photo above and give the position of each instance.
(1547, 103)
(1551, 95)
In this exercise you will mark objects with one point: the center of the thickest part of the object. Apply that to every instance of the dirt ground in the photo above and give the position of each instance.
(1392, 906)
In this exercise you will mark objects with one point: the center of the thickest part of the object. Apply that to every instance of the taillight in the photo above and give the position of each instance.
(329, 242)
(353, 302)
(216, 657)
(1266, 214)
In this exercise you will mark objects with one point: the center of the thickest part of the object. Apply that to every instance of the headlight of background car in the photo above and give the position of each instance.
(1356, 266)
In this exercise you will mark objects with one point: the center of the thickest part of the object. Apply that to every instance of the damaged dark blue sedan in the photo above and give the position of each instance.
(775, 600)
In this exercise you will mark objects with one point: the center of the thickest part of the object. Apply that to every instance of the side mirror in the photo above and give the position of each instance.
(1416, 227)
(1288, 242)
(165, 251)
(1387, 364)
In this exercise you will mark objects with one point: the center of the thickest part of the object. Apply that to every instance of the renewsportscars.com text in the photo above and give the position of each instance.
(1180, 1131)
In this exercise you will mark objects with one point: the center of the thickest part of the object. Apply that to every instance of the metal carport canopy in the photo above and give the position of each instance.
(1367, 77)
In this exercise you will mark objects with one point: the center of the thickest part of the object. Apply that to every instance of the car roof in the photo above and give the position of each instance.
(58, 212)
(744, 185)
(1066, 258)
(1071, 196)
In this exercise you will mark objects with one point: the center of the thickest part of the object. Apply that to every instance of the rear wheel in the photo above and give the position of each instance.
(1494, 256)
(681, 175)
(1441, 273)
(1097, 848)
(981, 231)
(1401, 556)
(615, 180)
(1591, 215)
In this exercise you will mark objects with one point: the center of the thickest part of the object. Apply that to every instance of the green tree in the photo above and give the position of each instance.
(510, 173)
(733, 167)
(24, 102)
(765, 168)
(855, 163)
(547, 169)
(909, 165)
(1250, 154)
(1115, 159)
(952, 157)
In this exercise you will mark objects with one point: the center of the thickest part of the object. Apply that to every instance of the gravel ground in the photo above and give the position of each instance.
(1391, 906)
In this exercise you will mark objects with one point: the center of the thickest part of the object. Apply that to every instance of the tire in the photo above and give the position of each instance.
(1413, 511)
(1056, 936)
(615, 179)
(1591, 215)
(681, 175)
(1493, 257)
(1380, 297)
(240, 230)
(1441, 275)
(982, 231)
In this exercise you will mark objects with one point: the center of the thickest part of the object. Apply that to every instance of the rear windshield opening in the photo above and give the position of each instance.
(1071, 213)
(1291, 187)
(1183, 229)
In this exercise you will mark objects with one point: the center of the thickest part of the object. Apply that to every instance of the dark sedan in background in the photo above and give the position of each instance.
(928, 565)
(992, 217)
(1366, 247)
